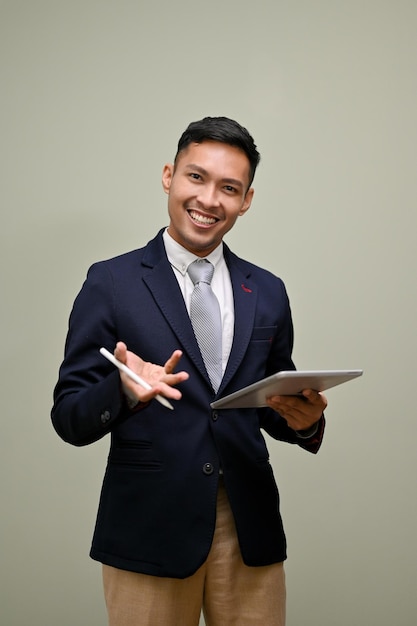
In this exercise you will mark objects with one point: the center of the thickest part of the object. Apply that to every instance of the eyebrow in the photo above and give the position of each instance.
(201, 170)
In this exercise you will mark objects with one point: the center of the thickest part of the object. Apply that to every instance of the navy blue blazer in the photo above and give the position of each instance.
(158, 502)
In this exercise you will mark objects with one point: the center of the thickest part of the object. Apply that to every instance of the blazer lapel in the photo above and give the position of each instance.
(245, 295)
(162, 283)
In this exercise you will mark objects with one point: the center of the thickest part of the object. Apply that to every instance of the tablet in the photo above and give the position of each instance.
(287, 383)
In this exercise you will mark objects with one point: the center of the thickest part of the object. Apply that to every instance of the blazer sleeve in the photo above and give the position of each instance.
(88, 398)
(280, 359)
(277, 427)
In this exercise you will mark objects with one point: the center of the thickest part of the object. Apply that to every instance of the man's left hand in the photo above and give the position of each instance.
(300, 412)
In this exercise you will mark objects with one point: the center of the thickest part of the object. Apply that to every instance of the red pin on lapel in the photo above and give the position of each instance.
(246, 288)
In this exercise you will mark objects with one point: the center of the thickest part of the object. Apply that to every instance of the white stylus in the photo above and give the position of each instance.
(137, 379)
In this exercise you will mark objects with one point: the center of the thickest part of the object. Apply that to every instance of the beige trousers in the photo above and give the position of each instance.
(229, 592)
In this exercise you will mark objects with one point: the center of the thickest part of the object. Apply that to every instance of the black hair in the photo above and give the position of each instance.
(224, 130)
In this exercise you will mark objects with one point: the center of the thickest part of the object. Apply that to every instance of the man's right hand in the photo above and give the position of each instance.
(161, 378)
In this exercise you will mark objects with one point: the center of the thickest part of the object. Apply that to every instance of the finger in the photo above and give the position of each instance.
(295, 408)
(173, 361)
(311, 395)
(315, 397)
(287, 403)
(175, 379)
(167, 390)
(120, 351)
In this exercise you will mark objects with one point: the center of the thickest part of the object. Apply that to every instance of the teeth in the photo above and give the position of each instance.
(202, 219)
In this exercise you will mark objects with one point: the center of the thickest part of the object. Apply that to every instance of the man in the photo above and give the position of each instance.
(189, 511)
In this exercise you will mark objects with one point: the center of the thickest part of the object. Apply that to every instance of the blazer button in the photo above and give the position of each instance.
(214, 416)
(208, 469)
(105, 416)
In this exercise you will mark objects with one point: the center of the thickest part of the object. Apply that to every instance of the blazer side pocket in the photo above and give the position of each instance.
(138, 454)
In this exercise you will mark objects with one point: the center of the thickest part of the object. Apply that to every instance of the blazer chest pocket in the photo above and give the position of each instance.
(263, 333)
(134, 454)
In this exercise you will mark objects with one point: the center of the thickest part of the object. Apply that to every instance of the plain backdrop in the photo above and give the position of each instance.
(94, 96)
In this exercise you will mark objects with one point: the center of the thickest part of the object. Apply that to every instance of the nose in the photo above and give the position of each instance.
(208, 196)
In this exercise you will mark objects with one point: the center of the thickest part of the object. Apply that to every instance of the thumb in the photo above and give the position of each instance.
(120, 351)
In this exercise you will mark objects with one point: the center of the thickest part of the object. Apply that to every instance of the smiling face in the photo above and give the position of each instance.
(207, 191)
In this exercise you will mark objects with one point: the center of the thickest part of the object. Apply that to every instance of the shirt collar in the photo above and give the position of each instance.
(180, 257)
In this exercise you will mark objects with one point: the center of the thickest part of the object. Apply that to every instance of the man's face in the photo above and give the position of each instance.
(207, 191)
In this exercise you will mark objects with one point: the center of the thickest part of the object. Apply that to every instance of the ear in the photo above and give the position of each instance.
(167, 174)
(247, 201)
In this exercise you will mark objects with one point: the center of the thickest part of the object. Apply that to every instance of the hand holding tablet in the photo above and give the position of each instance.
(287, 383)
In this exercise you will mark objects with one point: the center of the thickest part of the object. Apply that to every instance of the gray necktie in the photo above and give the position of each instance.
(206, 319)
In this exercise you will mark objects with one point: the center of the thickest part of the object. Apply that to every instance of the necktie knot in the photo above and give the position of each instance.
(201, 271)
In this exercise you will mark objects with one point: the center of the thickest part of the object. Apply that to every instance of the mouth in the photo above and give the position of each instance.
(201, 219)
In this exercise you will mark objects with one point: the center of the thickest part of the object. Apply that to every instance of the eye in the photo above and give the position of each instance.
(230, 189)
(195, 176)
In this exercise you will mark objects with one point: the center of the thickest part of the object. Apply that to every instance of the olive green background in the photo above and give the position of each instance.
(94, 96)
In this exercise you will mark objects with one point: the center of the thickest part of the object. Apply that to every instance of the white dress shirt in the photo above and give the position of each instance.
(180, 258)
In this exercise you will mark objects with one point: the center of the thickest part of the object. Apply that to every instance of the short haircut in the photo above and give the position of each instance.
(224, 130)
